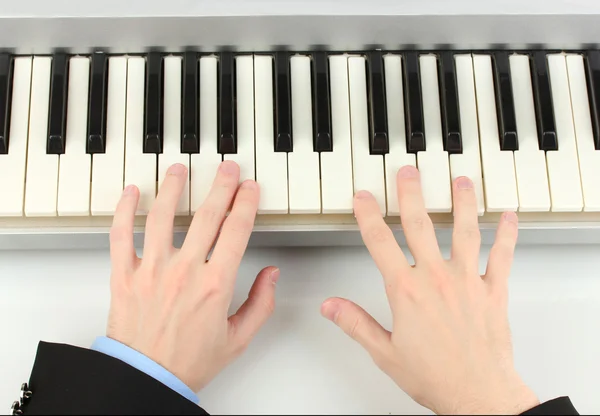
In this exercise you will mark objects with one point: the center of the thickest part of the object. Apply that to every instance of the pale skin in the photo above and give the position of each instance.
(449, 346)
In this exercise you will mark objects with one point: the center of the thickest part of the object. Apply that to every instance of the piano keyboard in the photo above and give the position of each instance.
(310, 128)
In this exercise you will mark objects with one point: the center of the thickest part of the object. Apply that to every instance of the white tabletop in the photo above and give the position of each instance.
(301, 363)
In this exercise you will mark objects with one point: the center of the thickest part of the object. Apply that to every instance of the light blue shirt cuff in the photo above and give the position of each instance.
(144, 364)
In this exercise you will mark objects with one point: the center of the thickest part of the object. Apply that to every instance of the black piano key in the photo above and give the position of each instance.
(450, 103)
(593, 84)
(153, 125)
(227, 142)
(322, 141)
(190, 123)
(505, 105)
(544, 109)
(6, 69)
(283, 100)
(96, 133)
(57, 111)
(413, 104)
(378, 143)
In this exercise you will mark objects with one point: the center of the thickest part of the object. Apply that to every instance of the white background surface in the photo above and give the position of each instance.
(301, 363)
(289, 7)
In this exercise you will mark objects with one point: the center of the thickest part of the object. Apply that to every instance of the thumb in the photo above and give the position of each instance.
(357, 324)
(259, 306)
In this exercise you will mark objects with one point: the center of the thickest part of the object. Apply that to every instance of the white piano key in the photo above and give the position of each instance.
(336, 167)
(74, 173)
(204, 164)
(108, 168)
(12, 165)
(433, 164)
(468, 163)
(42, 169)
(589, 157)
(172, 129)
(563, 166)
(397, 156)
(303, 162)
(271, 166)
(244, 157)
(368, 169)
(140, 167)
(499, 179)
(530, 161)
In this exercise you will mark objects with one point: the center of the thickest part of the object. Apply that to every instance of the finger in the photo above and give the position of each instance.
(466, 238)
(257, 309)
(502, 252)
(417, 226)
(210, 215)
(236, 231)
(159, 224)
(122, 250)
(358, 325)
(379, 240)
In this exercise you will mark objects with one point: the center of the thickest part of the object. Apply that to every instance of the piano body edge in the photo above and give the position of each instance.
(93, 233)
(43, 35)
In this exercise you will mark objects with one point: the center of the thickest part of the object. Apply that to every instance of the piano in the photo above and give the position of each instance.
(314, 100)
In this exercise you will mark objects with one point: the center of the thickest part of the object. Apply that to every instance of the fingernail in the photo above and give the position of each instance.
(177, 169)
(274, 276)
(464, 183)
(249, 184)
(363, 195)
(408, 172)
(228, 167)
(511, 217)
(330, 310)
(129, 190)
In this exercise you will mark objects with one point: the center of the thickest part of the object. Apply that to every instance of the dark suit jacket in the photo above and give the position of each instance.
(69, 380)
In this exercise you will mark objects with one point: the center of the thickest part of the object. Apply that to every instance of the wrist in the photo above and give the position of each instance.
(512, 398)
(143, 363)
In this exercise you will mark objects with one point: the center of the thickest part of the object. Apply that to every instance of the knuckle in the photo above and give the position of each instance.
(156, 215)
(226, 182)
(416, 224)
(145, 288)
(504, 250)
(181, 270)
(118, 234)
(470, 233)
(240, 224)
(236, 233)
(208, 213)
(212, 290)
(216, 271)
(439, 273)
(408, 290)
(377, 233)
(268, 304)
(355, 327)
(246, 198)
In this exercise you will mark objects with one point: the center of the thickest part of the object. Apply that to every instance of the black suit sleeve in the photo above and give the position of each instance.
(70, 380)
(559, 406)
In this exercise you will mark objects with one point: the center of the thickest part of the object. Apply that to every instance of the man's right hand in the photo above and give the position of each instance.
(450, 346)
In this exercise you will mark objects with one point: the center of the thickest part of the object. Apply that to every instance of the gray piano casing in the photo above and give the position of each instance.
(38, 27)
